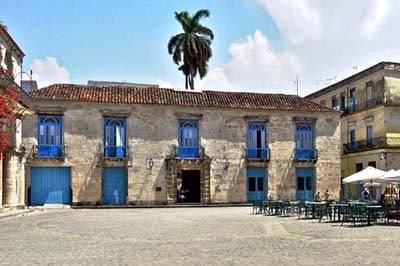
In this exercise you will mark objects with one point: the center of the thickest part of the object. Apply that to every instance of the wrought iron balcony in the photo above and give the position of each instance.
(371, 144)
(263, 154)
(306, 154)
(188, 152)
(23, 96)
(363, 105)
(114, 151)
(48, 151)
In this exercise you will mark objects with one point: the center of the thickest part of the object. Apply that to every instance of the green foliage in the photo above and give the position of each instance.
(192, 47)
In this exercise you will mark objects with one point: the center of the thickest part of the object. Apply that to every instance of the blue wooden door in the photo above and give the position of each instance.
(188, 138)
(50, 185)
(305, 183)
(256, 184)
(256, 140)
(115, 137)
(304, 141)
(49, 135)
(369, 136)
(114, 185)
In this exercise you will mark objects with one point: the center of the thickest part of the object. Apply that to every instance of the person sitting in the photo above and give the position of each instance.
(365, 194)
(327, 195)
(317, 196)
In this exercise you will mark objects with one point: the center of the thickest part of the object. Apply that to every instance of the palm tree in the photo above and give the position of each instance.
(192, 46)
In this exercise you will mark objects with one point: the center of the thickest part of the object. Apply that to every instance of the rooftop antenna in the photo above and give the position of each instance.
(355, 68)
(297, 84)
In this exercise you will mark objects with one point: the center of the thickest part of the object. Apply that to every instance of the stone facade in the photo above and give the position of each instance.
(12, 174)
(152, 132)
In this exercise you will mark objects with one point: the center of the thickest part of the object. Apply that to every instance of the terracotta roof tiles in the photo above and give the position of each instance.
(159, 96)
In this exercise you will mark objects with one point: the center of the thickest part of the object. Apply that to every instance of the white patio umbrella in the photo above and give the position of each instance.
(391, 177)
(369, 174)
(373, 184)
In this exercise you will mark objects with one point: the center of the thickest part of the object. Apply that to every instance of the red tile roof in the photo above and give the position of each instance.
(160, 96)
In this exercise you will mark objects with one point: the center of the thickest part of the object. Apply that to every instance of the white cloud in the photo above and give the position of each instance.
(255, 66)
(215, 80)
(297, 19)
(164, 84)
(48, 72)
(329, 37)
(377, 17)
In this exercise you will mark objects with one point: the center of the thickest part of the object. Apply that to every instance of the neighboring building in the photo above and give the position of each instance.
(370, 121)
(12, 176)
(94, 145)
(11, 55)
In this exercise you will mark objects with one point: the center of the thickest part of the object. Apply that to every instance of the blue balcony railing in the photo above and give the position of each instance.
(258, 153)
(189, 152)
(114, 151)
(306, 154)
(48, 150)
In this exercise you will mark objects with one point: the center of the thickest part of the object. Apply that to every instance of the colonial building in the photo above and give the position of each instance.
(12, 176)
(370, 120)
(120, 144)
(11, 55)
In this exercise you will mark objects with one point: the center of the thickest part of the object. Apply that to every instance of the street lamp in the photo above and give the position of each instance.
(151, 164)
(226, 164)
(30, 75)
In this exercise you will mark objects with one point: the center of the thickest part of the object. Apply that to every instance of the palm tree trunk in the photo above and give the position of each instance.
(191, 81)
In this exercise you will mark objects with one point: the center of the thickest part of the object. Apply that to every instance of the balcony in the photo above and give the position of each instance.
(306, 154)
(46, 151)
(363, 105)
(188, 152)
(261, 154)
(23, 97)
(114, 152)
(371, 144)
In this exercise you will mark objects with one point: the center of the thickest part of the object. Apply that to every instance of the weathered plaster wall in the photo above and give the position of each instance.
(152, 133)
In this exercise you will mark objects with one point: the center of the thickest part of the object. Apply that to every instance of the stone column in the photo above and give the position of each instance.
(10, 180)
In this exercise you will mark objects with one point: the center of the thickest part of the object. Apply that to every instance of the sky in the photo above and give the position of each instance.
(259, 45)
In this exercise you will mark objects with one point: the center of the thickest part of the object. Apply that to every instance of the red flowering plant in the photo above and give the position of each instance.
(8, 107)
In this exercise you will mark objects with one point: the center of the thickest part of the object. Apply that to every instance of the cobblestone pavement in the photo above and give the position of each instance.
(189, 236)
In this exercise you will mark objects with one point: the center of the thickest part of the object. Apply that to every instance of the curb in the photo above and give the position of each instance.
(6, 215)
(161, 206)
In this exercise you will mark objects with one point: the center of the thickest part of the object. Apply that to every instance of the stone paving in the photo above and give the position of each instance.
(189, 236)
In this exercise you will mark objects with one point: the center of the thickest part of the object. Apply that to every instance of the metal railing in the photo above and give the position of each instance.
(370, 144)
(114, 151)
(351, 108)
(306, 154)
(188, 152)
(48, 151)
(258, 154)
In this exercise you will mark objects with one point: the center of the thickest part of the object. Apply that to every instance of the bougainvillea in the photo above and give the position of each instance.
(8, 107)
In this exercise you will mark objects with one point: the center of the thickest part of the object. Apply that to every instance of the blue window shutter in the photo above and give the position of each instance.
(188, 138)
(257, 140)
(304, 138)
(369, 135)
(115, 137)
(49, 135)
